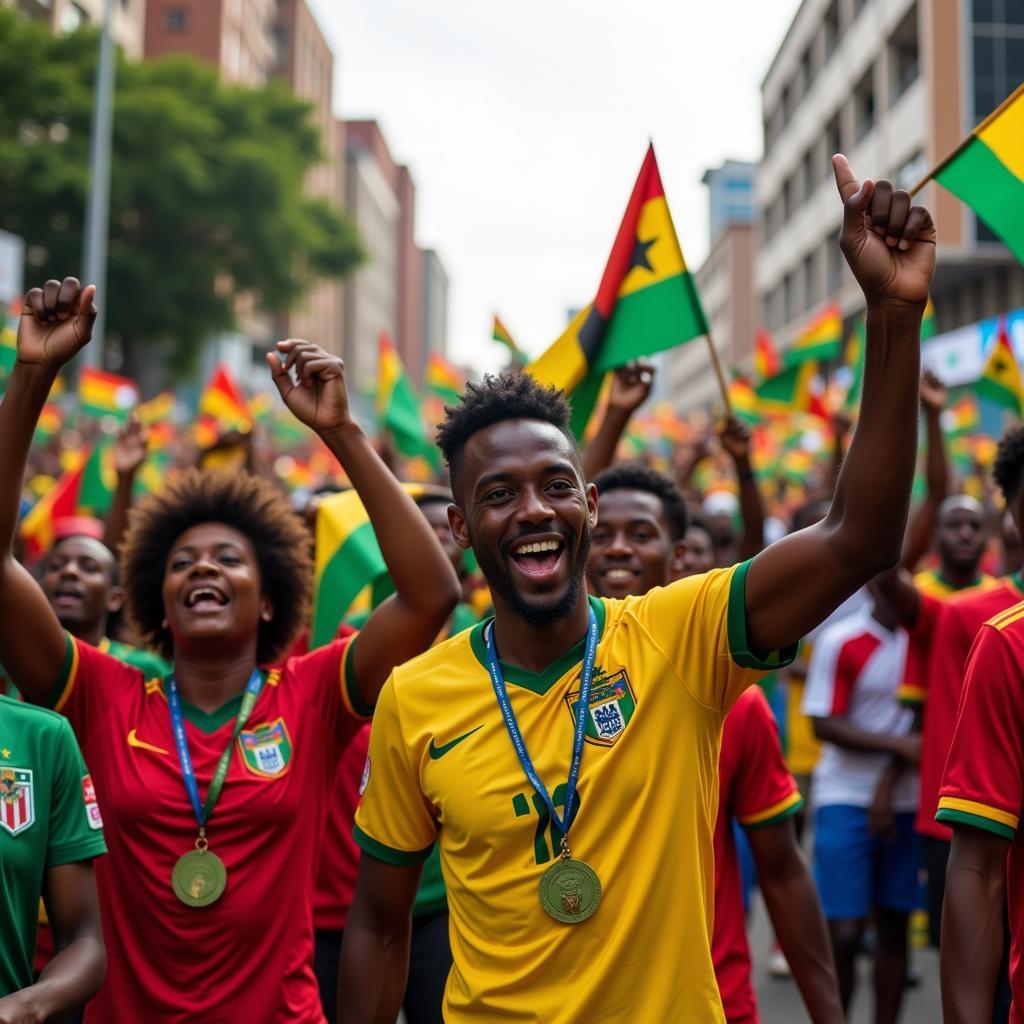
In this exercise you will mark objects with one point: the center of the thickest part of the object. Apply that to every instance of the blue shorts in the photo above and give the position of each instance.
(856, 870)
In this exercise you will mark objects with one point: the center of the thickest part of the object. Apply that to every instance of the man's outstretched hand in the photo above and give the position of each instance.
(318, 395)
(888, 242)
(56, 321)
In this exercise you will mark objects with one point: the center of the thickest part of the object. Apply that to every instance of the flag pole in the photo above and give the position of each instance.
(963, 143)
(717, 364)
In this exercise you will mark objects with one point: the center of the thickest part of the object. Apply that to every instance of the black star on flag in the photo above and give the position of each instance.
(640, 257)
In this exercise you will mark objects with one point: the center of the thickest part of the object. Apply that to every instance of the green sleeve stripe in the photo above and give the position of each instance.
(388, 854)
(72, 853)
(739, 645)
(950, 817)
(776, 818)
(61, 682)
(355, 698)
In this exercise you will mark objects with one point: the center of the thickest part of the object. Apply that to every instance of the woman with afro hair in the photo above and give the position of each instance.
(213, 782)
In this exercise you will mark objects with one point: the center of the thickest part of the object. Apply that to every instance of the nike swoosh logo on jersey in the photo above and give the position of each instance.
(438, 752)
(134, 741)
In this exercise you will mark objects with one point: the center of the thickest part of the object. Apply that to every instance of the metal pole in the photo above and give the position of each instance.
(97, 212)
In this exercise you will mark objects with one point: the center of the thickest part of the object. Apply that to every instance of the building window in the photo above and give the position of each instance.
(789, 307)
(858, 6)
(864, 105)
(834, 266)
(810, 281)
(831, 29)
(904, 59)
(175, 19)
(787, 103)
(807, 69)
(998, 50)
(910, 171)
(807, 173)
(787, 200)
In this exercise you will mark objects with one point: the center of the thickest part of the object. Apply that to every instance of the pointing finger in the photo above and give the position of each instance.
(846, 180)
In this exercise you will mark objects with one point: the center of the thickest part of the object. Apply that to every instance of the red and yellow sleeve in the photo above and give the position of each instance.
(983, 784)
(763, 792)
(700, 625)
(395, 822)
(913, 691)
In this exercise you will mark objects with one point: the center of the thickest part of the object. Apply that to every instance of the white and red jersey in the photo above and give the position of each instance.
(855, 672)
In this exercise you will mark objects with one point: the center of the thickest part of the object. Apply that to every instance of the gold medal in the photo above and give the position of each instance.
(199, 877)
(570, 890)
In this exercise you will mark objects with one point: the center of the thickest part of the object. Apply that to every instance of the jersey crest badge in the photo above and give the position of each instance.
(612, 703)
(267, 749)
(17, 804)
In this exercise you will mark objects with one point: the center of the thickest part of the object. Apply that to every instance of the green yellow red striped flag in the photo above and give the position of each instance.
(501, 334)
(854, 359)
(398, 406)
(928, 321)
(647, 302)
(987, 171)
(348, 558)
(156, 409)
(1000, 380)
(106, 394)
(821, 339)
(743, 400)
(51, 419)
(766, 357)
(792, 391)
(59, 502)
(443, 379)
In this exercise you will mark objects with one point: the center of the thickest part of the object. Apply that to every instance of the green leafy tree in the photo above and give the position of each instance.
(206, 199)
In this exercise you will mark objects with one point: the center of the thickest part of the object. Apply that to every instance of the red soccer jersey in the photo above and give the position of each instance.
(959, 619)
(755, 788)
(983, 785)
(249, 956)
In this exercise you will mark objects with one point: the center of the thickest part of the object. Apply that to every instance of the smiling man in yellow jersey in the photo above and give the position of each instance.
(575, 803)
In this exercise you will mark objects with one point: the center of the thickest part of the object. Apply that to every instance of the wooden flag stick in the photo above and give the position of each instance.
(723, 387)
(963, 143)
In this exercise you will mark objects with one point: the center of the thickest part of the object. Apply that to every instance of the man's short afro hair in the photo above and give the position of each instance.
(1008, 469)
(507, 396)
(250, 505)
(635, 476)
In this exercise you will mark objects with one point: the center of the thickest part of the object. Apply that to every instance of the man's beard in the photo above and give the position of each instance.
(534, 612)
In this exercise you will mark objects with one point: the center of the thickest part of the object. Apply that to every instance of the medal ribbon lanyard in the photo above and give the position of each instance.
(203, 812)
(501, 692)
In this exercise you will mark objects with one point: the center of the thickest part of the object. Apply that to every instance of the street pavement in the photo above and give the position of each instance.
(779, 1001)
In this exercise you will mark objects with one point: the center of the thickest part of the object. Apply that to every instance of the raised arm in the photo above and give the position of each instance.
(631, 384)
(426, 587)
(791, 898)
(375, 951)
(129, 454)
(922, 520)
(795, 583)
(735, 437)
(56, 321)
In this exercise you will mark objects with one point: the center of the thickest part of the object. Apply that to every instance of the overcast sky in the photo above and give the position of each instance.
(525, 124)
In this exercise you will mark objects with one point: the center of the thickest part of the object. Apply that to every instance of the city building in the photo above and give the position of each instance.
(893, 84)
(725, 282)
(434, 328)
(127, 24)
(236, 36)
(305, 61)
(371, 292)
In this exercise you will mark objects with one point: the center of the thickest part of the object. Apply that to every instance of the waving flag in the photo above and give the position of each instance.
(766, 358)
(646, 302)
(822, 338)
(500, 334)
(106, 394)
(1000, 381)
(444, 380)
(398, 406)
(987, 173)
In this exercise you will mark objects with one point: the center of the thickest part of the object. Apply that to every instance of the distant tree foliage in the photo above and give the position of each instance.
(206, 198)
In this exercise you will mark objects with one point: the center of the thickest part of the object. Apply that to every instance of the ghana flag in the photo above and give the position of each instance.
(500, 334)
(822, 338)
(854, 360)
(743, 400)
(443, 380)
(398, 406)
(59, 502)
(1000, 381)
(647, 302)
(106, 394)
(792, 391)
(766, 357)
(987, 171)
(348, 558)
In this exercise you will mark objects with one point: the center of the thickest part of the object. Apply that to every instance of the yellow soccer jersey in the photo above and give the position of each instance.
(668, 667)
(932, 583)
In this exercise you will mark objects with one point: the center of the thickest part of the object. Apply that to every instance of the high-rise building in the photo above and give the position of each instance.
(236, 36)
(434, 329)
(725, 282)
(128, 21)
(305, 61)
(410, 279)
(371, 292)
(893, 84)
